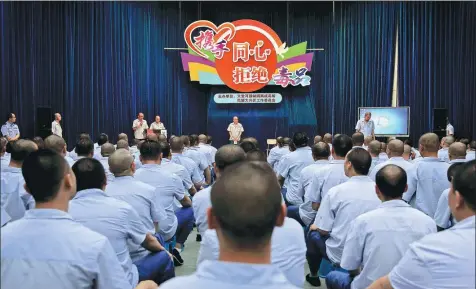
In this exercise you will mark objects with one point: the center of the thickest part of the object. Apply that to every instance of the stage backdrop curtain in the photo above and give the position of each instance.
(437, 64)
(99, 64)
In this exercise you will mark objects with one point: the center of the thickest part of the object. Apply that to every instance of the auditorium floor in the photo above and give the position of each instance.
(190, 256)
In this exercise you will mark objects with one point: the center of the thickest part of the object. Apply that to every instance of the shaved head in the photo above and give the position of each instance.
(256, 155)
(358, 139)
(429, 142)
(367, 140)
(449, 140)
(185, 140)
(228, 155)
(280, 141)
(374, 148)
(202, 138)
(162, 138)
(252, 140)
(383, 147)
(56, 144)
(321, 151)
(286, 141)
(407, 151)
(122, 136)
(120, 163)
(237, 212)
(457, 150)
(176, 144)
(391, 181)
(107, 149)
(317, 139)
(395, 148)
(327, 138)
(122, 144)
(21, 149)
(153, 137)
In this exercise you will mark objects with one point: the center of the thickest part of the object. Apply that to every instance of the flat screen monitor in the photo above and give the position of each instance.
(389, 121)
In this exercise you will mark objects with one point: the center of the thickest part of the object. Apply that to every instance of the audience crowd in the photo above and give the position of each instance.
(361, 213)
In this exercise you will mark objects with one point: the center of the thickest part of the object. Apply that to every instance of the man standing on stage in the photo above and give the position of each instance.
(235, 129)
(450, 130)
(56, 127)
(140, 127)
(10, 130)
(366, 125)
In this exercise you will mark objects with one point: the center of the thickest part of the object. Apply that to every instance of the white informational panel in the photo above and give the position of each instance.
(247, 98)
(389, 121)
(163, 132)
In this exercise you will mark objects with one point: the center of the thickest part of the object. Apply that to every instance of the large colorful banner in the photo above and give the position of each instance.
(244, 55)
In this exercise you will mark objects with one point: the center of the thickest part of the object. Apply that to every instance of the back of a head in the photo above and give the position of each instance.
(280, 141)
(247, 146)
(185, 140)
(209, 139)
(120, 162)
(327, 138)
(465, 141)
(396, 148)
(152, 137)
(89, 174)
(55, 143)
(162, 138)
(202, 138)
(122, 136)
(358, 139)
(165, 149)
(193, 139)
(391, 181)
(407, 149)
(286, 141)
(228, 155)
(360, 160)
(102, 139)
(430, 142)
(122, 144)
(43, 172)
(84, 147)
(408, 142)
(237, 204)
(452, 170)
(107, 149)
(256, 155)
(150, 150)
(83, 135)
(300, 139)
(383, 147)
(449, 140)
(374, 147)
(3, 144)
(321, 151)
(21, 148)
(39, 142)
(472, 145)
(176, 144)
(341, 145)
(252, 140)
(457, 150)
(317, 139)
(367, 140)
(464, 183)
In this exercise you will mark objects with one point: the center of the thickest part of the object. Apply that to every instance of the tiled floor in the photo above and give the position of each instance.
(190, 257)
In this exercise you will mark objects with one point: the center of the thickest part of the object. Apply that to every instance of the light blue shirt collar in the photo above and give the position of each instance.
(150, 166)
(303, 148)
(360, 179)
(123, 178)
(337, 161)
(400, 159)
(457, 161)
(12, 170)
(431, 159)
(469, 222)
(394, 204)
(46, 214)
(89, 193)
(321, 162)
(166, 161)
(252, 274)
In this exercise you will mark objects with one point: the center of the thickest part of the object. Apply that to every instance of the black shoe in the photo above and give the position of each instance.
(199, 238)
(178, 261)
(314, 281)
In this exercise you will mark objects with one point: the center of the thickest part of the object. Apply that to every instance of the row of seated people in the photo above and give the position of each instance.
(328, 235)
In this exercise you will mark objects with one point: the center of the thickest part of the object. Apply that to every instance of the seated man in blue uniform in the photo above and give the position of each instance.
(244, 228)
(119, 222)
(47, 248)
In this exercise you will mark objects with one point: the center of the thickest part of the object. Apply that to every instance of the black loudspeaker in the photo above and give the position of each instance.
(43, 121)
(440, 115)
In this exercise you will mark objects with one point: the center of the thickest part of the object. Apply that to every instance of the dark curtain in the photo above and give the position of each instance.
(437, 64)
(99, 64)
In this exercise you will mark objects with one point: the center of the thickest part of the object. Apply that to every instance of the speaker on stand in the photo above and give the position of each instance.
(440, 120)
(43, 121)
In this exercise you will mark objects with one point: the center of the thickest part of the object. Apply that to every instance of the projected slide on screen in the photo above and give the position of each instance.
(389, 121)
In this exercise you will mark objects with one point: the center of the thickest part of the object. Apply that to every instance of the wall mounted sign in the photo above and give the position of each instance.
(246, 98)
(244, 55)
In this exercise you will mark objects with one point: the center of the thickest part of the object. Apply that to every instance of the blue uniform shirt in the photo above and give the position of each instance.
(220, 275)
(14, 198)
(201, 203)
(142, 198)
(113, 218)
(10, 130)
(47, 249)
(167, 188)
(443, 260)
(191, 167)
(291, 168)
